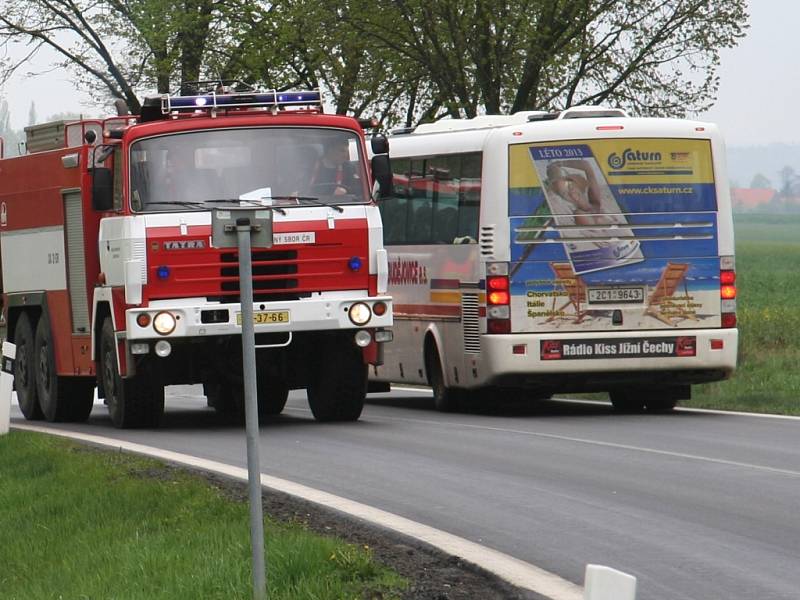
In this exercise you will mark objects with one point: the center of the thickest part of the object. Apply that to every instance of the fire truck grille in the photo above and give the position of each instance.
(273, 276)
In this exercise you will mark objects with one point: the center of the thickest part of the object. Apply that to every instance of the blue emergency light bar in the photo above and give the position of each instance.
(158, 107)
(240, 100)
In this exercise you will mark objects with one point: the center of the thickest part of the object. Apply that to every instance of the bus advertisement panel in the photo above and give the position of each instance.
(613, 234)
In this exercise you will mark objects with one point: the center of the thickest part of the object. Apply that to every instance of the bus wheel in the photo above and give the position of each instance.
(338, 384)
(24, 370)
(445, 399)
(134, 402)
(665, 399)
(226, 397)
(627, 401)
(61, 398)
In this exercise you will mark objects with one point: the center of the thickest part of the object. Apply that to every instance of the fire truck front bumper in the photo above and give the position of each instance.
(197, 317)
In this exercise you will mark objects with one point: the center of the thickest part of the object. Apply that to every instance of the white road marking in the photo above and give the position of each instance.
(564, 438)
(513, 570)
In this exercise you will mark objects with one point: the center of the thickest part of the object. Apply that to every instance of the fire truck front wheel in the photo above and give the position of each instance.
(24, 370)
(61, 398)
(338, 384)
(134, 402)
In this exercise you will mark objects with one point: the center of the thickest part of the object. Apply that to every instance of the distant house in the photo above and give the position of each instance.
(749, 199)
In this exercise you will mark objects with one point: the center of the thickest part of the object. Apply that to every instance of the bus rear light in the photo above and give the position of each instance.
(717, 344)
(727, 277)
(495, 298)
(498, 326)
(727, 292)
(519, 348)
(496, 283)
(498, 312)
(728, 320)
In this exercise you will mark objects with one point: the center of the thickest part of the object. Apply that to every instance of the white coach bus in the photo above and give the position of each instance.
(582, 251)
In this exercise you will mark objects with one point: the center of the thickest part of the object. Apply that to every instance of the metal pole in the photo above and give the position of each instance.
(251, 409)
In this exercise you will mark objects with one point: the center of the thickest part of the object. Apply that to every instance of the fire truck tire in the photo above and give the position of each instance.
(627, 401)
(338, 386)
(133, 402)
(61, 398)
(272, 396)
(445, 399)
(25, 371)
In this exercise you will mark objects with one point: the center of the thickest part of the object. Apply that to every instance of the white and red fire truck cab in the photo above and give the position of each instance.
(110, 277)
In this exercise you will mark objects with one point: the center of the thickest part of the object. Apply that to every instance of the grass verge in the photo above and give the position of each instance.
(768, 285)
(81, 524)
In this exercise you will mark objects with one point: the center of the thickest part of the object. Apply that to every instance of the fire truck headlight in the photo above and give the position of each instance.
(163, 348)
(360, 313)
(164, 323)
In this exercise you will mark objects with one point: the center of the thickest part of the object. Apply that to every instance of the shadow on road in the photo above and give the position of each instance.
(499, 406)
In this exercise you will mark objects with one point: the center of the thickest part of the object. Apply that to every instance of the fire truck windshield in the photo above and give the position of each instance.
(275, 166)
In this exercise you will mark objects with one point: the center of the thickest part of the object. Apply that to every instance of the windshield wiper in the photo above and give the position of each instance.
(311, 199)
(251, 203)
(174, 203)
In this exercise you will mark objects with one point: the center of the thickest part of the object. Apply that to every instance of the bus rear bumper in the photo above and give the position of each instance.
(596, 361)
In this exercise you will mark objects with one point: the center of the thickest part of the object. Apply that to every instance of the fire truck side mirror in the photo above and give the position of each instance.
(380, 145)
(382, 172)
(102, 188)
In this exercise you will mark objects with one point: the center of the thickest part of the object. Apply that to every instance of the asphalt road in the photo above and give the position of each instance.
(697, 506)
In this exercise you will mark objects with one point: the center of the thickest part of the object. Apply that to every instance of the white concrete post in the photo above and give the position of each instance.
(6, 385)
(605, 583)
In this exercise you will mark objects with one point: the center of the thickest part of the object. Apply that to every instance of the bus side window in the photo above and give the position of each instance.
(420, 214)
(469, 197)
(446, 171)
(394, 210)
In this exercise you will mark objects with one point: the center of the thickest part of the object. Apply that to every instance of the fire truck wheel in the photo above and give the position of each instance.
(61, 398)
(627, 401)
(24, 370)
(225, 397)
(338, 386)
(445, 399)
(272, 396)
(134, 402)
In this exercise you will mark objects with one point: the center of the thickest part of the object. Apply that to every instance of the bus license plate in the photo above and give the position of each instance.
(266, 317)
(632, 295)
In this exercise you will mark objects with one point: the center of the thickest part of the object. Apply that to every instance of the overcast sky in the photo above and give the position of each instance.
(759, 87)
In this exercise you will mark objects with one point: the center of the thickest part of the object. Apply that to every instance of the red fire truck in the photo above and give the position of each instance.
(110, 279)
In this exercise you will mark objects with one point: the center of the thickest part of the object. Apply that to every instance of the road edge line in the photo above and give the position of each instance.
(513, 570)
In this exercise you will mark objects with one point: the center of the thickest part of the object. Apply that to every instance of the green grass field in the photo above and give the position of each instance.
(80, 524)
(768, 306)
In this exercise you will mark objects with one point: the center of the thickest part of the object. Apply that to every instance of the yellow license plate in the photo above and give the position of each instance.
(266, 317)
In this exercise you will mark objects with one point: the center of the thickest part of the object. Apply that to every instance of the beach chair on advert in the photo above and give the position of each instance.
(575, 290)
(661, 303)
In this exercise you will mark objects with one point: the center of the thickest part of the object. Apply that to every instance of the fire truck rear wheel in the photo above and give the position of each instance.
(338, 386)
(24, 370)
(134, 402)
(61, 398)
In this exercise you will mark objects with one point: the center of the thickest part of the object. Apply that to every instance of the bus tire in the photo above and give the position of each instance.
(445, 399)
(337, 386)
(627, 401)
(25, 370)
(61, 398)
(665, 399)
(134, 402)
